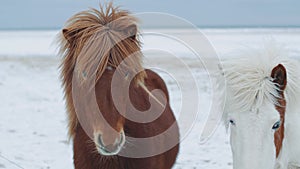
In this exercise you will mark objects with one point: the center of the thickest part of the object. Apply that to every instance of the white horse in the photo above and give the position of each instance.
(262, 109)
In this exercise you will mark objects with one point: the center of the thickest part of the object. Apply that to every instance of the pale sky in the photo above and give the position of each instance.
(49, 14)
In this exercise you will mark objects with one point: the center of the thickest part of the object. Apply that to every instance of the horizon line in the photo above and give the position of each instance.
(172, 27)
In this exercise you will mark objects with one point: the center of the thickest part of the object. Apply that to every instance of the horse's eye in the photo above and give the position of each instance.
(232, 122)
(276, 125)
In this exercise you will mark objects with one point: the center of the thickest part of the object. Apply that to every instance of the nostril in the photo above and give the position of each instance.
(100, 142)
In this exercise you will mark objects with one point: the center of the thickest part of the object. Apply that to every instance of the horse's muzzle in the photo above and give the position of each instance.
(110, 148)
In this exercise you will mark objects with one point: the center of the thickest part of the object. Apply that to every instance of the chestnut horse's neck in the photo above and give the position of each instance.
(87, 157)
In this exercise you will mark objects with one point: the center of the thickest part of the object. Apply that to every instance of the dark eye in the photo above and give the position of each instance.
(232, 122)
(276, 125)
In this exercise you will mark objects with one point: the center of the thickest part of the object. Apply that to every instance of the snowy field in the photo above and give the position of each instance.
(33, 131)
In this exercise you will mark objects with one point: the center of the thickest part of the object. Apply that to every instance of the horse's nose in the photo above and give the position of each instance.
(110, 145)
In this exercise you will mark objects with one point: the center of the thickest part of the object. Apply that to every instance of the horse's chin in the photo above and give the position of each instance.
(104, 152)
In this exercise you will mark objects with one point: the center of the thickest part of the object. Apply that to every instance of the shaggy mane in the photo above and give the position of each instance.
(93, 40)
(249, 83)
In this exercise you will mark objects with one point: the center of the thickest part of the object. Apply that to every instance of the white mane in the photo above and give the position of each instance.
(249, 83)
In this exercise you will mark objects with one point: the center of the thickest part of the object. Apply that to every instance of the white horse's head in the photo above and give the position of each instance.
(254, 110)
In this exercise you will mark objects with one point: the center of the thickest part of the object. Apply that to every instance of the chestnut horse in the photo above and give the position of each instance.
(101, 51)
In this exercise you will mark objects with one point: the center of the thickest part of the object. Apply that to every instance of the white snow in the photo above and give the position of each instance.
(33, 130)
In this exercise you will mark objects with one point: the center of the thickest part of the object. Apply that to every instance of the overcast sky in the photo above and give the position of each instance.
(49, 14)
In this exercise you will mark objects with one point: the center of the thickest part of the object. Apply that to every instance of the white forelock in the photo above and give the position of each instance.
(248, 82)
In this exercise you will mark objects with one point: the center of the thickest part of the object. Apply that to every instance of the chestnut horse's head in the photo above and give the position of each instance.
(108, 132)
(94, 44)
(255, 111)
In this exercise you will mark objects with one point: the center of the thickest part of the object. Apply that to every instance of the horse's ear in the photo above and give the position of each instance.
(132, 31)
(68, 35)
(279, 76)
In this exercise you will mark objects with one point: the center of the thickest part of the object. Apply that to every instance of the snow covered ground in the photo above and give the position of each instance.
(33, 133)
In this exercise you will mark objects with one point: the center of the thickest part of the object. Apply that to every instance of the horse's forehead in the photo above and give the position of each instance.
(265, 112)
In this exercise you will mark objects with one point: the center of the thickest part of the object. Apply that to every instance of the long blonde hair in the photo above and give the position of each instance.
(93, 40)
